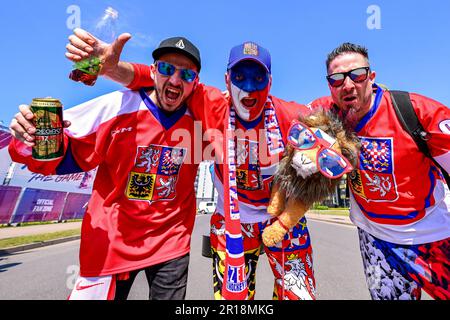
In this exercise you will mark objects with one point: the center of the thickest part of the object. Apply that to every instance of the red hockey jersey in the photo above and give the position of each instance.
(142, 208)
(398, 194)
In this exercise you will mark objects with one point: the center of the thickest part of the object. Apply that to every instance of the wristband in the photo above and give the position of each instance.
(282, 225)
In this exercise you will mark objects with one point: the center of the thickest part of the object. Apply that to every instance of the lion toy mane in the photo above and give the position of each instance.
(298, 184)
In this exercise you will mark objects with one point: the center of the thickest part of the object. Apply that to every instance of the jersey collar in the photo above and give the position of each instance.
(373, 109)
(249, 124)
(167, 121)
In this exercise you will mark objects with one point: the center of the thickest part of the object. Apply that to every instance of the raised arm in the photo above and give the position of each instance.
(207, 104)
(84, 45)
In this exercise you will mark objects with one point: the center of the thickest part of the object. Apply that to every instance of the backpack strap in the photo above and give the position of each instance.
(408, 118)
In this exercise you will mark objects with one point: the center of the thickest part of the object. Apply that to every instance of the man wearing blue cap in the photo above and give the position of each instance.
(264, 121)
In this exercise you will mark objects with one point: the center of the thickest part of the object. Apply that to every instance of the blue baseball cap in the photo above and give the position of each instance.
(249, 51)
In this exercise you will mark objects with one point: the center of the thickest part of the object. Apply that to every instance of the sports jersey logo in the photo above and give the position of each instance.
(248, 173)
(376, 155)
(236, 281)
(251, 49)
(375, 181)
(444, 126)
(80, 287)
(155, 173)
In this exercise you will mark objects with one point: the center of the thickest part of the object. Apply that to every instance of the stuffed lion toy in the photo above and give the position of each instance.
(320, 151)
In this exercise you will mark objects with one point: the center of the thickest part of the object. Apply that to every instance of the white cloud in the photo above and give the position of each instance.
(141, 40)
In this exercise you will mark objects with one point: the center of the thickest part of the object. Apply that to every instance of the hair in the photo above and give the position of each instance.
(347, 47)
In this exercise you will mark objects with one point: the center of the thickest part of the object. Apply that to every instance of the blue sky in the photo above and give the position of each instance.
(411, 51)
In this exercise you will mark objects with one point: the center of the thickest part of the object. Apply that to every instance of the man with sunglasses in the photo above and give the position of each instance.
(142, 210)
(264, 120)
(399, 199)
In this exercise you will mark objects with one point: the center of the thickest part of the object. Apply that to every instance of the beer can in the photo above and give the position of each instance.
(48, 120)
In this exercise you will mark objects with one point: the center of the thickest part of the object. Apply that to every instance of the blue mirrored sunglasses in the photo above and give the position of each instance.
(167, 69)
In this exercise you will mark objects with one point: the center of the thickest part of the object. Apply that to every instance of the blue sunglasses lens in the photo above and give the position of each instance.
(301, 137)
(166, 69)
(332, 164)
(188, 75)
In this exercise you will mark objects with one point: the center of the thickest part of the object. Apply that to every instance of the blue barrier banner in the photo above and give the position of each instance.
(75, 207)
(5, 159)
(81, 182)
(39, 205)
(8, 200)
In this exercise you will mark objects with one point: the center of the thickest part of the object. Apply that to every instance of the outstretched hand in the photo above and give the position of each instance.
(83, 45)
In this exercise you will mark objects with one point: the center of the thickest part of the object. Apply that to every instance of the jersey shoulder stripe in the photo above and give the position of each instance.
(87, 117)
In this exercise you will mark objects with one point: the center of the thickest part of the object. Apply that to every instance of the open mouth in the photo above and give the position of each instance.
(172, 94)
(350, 98)
(248, 102)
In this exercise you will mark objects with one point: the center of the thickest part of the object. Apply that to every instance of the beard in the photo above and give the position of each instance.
(167, 108)
(352, 115)
(351, 118)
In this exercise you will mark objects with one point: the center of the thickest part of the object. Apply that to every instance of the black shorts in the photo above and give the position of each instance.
(166, 281)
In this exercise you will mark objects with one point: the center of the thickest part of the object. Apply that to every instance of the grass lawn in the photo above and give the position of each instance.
(17, 241)
(333, 211)
(28, 224)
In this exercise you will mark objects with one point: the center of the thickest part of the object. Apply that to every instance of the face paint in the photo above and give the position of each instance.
(249, 86)
(249, 76)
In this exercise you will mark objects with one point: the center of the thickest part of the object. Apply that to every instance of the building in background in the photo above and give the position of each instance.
(5, 159)
(204, 183)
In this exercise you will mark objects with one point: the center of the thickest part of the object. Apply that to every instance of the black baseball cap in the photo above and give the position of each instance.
(179, 45)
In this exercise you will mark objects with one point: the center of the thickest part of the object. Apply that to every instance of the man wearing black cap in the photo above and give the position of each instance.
(142, 210)
(171, 92)
(265, 121)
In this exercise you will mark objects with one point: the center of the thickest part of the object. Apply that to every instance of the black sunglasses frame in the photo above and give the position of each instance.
(347, 74)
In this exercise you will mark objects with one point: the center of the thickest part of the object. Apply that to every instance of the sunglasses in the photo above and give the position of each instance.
(330, 163)
(357, 75)
(167, 69)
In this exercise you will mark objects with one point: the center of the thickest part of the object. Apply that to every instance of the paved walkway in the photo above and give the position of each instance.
(11, 232)
(329, 218)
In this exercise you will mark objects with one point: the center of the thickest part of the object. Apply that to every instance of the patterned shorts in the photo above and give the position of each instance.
(291, 260)
(399, 272)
